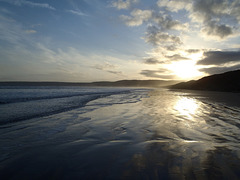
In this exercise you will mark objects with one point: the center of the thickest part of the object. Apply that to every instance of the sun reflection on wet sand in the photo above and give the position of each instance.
(166, 135)
(186, 107)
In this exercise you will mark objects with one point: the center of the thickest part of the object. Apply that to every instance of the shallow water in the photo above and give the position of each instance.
(115, 133)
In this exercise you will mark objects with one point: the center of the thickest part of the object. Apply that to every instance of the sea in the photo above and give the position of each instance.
(49, 132)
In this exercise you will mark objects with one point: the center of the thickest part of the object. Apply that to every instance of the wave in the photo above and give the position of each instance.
(28, 110)
(20, 109)
(22, 98)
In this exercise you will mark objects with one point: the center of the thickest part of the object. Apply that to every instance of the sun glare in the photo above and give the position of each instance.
(186, 107)
(184, 69)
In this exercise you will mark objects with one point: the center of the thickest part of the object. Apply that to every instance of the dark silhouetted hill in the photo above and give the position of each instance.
(228, 81)
(122, 83)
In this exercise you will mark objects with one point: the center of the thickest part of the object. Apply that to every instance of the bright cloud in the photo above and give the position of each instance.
(123, 4)
(160, 73)
(29, 3)
(175, 5)
(137, 17)
(76, 12)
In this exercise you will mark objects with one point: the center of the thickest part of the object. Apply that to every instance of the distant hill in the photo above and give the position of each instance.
(122, 83)
(228, 81)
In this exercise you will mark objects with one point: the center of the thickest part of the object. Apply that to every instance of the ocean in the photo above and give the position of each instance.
(118, 133)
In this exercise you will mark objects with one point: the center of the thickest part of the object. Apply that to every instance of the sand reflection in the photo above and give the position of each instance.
(186, 107)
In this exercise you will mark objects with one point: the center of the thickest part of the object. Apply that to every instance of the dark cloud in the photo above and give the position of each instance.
(219, 57)
(203, 9)
(213, 15)
(171, 48)
(104, 66)
(214, 29)
(192, 51)
(156, 37)
(107, 67)
(165, 22)
(161, 73)
(151, 61)
(176, 57)
(207, 10)
(218, 70)
(115, 72)
(235, 9)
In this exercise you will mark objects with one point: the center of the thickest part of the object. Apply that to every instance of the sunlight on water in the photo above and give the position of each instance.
(186, 107)
(119, 134)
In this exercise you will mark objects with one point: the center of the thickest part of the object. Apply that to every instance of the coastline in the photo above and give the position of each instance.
(136, 135)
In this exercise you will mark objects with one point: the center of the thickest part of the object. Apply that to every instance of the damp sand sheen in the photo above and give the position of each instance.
(118, 133)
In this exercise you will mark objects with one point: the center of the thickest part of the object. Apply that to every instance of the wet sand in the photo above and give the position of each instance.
(165, 135)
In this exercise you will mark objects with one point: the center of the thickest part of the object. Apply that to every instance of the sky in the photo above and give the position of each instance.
(109, 40)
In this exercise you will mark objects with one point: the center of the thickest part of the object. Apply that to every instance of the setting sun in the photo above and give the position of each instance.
(184, 69)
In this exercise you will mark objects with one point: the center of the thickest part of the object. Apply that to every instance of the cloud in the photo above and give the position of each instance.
(159, 32)
(205, 10)
(166, 31)
(218, 70)
(156, 37)
(175, 5)
(165, 22)
(235, 9)
(192, 51)
(123, 4)
(161, 73)
(219, 57)
(11, 33)
(151, 61)
(79, 13)
(107, 67)
(25, 57)
(220, 31)
(42, 5)
(217, 18)
(115, 72)
(31, 31)
(171, 47)
(29, 3)
(137, 17)
(163, 55)
(176, 57)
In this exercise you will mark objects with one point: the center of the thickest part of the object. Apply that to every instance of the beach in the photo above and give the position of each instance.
(119, 133)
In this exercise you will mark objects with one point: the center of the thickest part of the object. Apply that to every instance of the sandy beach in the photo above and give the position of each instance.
(140, 134)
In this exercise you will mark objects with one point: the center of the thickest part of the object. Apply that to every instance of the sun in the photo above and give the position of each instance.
(184, 69)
